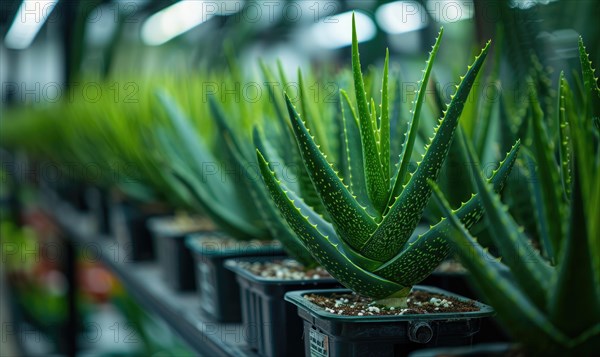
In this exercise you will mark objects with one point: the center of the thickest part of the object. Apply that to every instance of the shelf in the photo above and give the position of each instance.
(180, 311)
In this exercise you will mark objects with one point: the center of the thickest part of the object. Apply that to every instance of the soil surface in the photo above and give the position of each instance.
(419, 302)
(212, 241)
(188, 224)
(283, 269)
(451, 266)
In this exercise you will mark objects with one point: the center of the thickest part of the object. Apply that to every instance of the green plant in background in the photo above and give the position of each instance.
(116, 136)
(214, 175)
(549, 300)
(222, 177)
(370, 214)
(109, 141)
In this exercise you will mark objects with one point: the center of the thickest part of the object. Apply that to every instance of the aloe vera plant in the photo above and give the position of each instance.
(240, 205)
(549, 300)
(370, 213)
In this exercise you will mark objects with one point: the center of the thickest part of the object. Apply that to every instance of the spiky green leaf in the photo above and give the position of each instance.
(354, 155)
(384, 121)
(408, 267)
(575, 273)
(551, 203)
(531, 272)
(377, 186)
(350, 219)
(565, 136)
(404, 214)
(527, 321)
(320, 241)
(413, 125)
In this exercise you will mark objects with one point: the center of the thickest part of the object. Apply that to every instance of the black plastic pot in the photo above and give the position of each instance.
(72, 192)
(273, 327)
(129, 226)
(175, 259)
(218, 290)
(483, 350)
(327, 334)
(99, 207)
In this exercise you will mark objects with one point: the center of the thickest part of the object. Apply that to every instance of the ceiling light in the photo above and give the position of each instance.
(30, 18)
(335, 31)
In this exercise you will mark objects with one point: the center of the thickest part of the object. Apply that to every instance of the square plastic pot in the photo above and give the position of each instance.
(273, 327)
(217, 287)
(129, 226)
(175, 259)
(327, 334)
(74, 193)
(98, 203)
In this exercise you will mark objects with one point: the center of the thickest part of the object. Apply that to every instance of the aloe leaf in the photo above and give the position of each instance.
(227, 218)
(566, 155)
(434, 243)
(537, 207)
(384, 122)
(221, 201)
(483, 128)
(350, 219)
(311, 121)
(548, 175)
(546, 93)
(403, 216)
(590, 83)
(377, 187)
(374, 123)
(506, 131)
(587, 154)
(527, 322)
(575, 273)
(284, 136)
(354, 155)
(196, 149)
(437, 104)
(454, 179)
(176, 186)
(413, 125)
(589, 125)
(307, 189)
(397, 132)
(281, 72)
(531, 272)
(320, 245)
(287, 173)
(236, 76)
(230, 137)
(594, 232)
(236, 153)
(279, 107)
(327, 230)
(277, 225)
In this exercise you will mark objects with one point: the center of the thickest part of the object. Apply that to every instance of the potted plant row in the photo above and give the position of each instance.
(168, 238)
